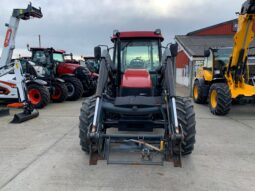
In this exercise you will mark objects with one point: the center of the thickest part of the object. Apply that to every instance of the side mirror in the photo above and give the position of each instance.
(207, 53)
(97, 52)
(174, 49)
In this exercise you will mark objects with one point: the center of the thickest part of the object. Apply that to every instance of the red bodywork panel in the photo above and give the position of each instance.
(139, 34)
(136, 78)
(67, 68)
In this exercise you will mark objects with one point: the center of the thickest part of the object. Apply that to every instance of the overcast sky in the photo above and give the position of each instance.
(79, 25)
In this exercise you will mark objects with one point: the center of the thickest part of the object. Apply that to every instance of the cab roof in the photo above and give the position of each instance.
(40, 48)
(138, 34)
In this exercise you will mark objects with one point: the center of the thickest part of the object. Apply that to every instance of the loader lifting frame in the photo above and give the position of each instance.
(172, 129)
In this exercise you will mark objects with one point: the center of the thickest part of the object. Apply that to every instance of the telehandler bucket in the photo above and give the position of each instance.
(29, 112)
(24, 116)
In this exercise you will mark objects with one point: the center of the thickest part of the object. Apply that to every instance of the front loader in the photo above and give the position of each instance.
(7, 66)
(136, 96)
(224, 77)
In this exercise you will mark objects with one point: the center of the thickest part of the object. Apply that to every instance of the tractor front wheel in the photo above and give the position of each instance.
(59, 93)
(219, 99)
(74, 87)
(186, 118)
(38, 95)
(86, 119)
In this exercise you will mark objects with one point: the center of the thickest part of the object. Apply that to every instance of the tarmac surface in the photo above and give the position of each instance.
(44, 154)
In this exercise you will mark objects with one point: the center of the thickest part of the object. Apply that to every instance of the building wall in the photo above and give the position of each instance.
(181, 59)
(182, 62)
(182, 76)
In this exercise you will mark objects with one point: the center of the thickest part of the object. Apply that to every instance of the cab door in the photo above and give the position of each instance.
(206, 71)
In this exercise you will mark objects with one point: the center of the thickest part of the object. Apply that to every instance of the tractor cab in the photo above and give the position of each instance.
(47, 58)
(137, 56)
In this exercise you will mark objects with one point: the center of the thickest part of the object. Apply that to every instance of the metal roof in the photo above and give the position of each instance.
(211, 27)
(196, 45)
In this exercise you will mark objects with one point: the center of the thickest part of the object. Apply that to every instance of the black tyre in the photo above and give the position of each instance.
(59, 93)
(38, 95)
(198, 96)
(219, 99)
(186, 118)
(74, 88)
(89, 91)
(86, 119)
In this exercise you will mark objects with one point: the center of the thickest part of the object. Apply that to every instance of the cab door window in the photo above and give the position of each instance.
(209, 62)
(39, 57)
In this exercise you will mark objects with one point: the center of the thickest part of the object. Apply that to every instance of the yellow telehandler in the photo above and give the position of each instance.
(224, 77)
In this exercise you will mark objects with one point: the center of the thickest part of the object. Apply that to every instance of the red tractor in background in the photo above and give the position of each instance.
(78, 79)
(68, 57)
(92, 64)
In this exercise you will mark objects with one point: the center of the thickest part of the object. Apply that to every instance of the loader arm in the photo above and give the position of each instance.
(242, 40)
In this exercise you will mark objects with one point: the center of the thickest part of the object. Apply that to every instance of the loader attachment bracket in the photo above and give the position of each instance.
(27, 13)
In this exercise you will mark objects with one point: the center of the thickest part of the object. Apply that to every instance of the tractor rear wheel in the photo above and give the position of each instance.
(59, 93)
(198, 96)
(219, 99)
(74, 87)
(186, 118)
(38, 95)
(86, 119)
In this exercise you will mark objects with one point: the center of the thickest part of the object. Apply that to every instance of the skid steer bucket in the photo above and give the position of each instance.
(24, 116)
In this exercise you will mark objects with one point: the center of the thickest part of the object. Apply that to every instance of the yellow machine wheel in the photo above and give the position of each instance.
(198, 96)
(195, 92)
(213, 98)
(219, 99)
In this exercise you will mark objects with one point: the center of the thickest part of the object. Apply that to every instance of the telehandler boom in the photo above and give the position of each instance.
(6, 65)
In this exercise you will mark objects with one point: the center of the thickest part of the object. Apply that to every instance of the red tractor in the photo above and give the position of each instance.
(78, 79)
(68, 57)
(136, 92)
